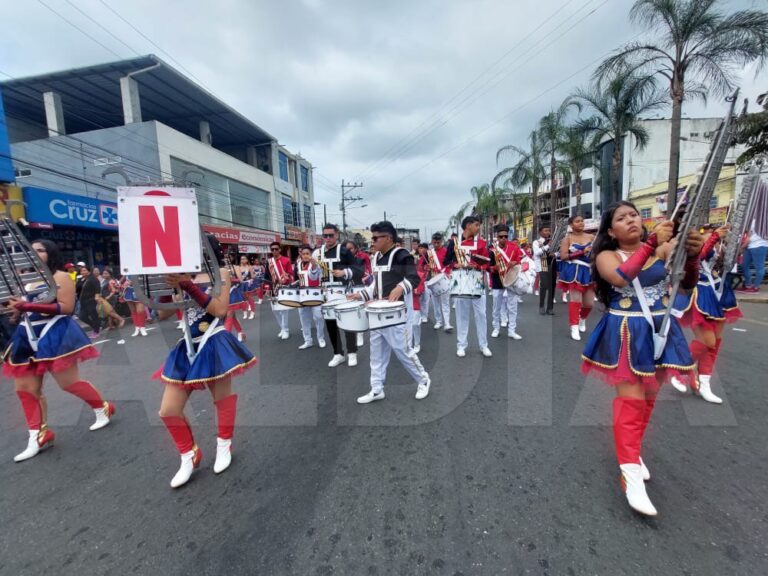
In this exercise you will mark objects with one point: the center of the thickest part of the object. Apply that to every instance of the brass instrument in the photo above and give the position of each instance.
(696, 214)
(740, 219)
(558, 233)
(274, 274)
(501, 260)
(462, 261)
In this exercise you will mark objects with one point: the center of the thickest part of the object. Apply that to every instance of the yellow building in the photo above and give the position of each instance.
(651, 201)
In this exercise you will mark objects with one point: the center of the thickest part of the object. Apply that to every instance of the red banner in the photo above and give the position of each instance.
(235, 236)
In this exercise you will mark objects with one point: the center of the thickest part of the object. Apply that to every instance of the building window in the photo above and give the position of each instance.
(308, 217)
(287, 211)
(283, 161)
(295, 214)
(645, 213)
(713, 202)
(305, 178)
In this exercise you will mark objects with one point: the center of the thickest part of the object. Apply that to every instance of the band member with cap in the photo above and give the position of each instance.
(339, 268)
(706, 311)
(308, 273)
(436, 258)
(476, 258)
(422, 266)
(214, 358)
(279, 272)
(504, 256)
(544, 258)
(395, 277)
(48, 339)
(630, 271)
(575, 275)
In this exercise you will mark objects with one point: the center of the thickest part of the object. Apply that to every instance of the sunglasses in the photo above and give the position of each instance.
(275, 249)
(329, 235)
(376, 238)
(502, 235)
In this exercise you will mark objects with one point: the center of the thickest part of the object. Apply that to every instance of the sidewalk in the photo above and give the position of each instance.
(760, 297)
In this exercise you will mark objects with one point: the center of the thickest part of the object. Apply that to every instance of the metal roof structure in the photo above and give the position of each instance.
(92, 100)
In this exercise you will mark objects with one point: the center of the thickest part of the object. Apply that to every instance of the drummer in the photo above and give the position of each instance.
(395, 279)
(475, 260)
(504, 256)
(308, 272)
(279, 272)
(339, 268)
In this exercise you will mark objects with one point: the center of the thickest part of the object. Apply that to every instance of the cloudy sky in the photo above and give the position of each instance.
(412, 98)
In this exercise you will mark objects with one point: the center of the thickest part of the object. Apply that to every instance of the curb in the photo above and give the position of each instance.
(753, 299)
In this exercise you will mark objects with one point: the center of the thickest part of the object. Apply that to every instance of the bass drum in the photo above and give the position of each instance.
(467, 284)
(439, 284)
(523, 284)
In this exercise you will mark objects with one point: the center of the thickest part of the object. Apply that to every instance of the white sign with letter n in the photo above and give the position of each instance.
(159, 230)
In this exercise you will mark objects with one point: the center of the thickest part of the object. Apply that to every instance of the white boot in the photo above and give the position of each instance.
(705, 390)
(634, 487)
(582, 325)
(38, 440)
(189, 461)
(252, 315)
(678, 385)
(644, 470)
(103, 416)
(136, 332)
(575, 335)
(143, 331)
(223, 455)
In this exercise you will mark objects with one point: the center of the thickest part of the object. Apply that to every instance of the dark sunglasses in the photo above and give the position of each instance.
(275, 249)
(503, 235)
(375, 238)
(333, 235)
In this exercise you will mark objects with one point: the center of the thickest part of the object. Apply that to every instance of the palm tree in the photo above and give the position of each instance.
(489, 205)
(753, 131)
(698, 52)
(527, 170)
(455, 221)
(521, 203)
(617, 102)
(578, 153)
(552, 131)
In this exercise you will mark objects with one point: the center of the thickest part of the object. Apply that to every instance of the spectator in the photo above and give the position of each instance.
(88, 291)
(754, 255)
(107, 300)
(69, 268)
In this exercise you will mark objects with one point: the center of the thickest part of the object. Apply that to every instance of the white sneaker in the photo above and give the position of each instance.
(257, 302)
(424, 320)
(423, 389)
(360, 339)
(286, 334)
(705, 390)
(136, 332)
(241, 336)
(103, 416)
(495, 333)
(582, 325)
(38, 440)
(438, 325)
(245, 315)
(514, 335)
(252, 315)
(180, 325)
(575, 335)
(321, 342)
(336, 360)
(460, 352)
(634, 488)
(352, 359)
(189, 461)
(486, 352)
(644, 470)
(143, 331)
(448, 328)
(223, 455)
(565, 297)
(678, 385)
(280, 335)
(306, 345)
(504, 324)
(536, 293)
(416, 349)
(371, 397)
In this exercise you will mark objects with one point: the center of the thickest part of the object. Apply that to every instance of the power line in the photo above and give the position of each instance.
(103, 27)
(76, 27)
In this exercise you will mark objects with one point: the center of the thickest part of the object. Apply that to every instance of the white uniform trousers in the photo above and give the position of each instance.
(282, 318)
(463, 307)
(424, 303)
(393, 339)
(308, 315)
(442, 308)
(505, 309)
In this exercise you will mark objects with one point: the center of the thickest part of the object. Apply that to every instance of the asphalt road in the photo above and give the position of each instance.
(506, 468)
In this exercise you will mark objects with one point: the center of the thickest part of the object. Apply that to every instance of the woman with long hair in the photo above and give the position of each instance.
(217, 356)
(710, 306)
(59, 345)
(138, 312)
(576, 279)
(621, 348)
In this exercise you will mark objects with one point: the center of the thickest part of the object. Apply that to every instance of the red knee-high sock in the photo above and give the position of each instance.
(236, 323)
(228, 323)
(249, 300)
(573, 313)
(628, 418)
(179, 429)
(650, 402)
(707, 361)
(179, 315)
(716, 352)
(32, 411)
(698, 349)
(139, 320)
(585, 311)
(226, 411)
(87, 393)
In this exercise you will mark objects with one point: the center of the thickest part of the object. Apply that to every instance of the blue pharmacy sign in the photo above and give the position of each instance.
(50, 207)
(7, 173)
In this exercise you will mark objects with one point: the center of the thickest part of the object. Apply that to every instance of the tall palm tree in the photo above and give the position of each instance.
(527, 170)
(552, 131)
(489, 205)
(455, 221)
(698, 51)
(616, 103)
(521, 204)
(578, 151)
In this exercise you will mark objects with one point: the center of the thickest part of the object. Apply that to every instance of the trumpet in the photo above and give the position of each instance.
(501, 259)
(433, 262)
(461, 256)
(274, 273)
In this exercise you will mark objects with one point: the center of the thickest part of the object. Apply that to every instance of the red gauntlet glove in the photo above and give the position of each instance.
(634, 264)
(53, 308)
(691, 277)
(195, 293)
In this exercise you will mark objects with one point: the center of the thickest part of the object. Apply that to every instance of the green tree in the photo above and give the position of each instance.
(753, 131)
(528, 169)
(552, 133)
(698, 51)
(578, 152)
(616, 103)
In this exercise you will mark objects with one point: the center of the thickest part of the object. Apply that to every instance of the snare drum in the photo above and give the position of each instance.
(467, 283)
(311, 296)
(383, 314)
(328, 307)
(439, 284)
(277, 307)
(351, 317)
(335, 293)
(289, 297)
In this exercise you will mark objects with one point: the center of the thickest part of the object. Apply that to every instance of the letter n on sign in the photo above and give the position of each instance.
(159, 230)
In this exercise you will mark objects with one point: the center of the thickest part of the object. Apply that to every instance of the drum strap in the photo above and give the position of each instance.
(659, 339)
(711, 280)
(31, 336)
(379, 270)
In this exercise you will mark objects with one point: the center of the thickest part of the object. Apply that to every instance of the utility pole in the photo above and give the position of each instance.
(347, 200)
